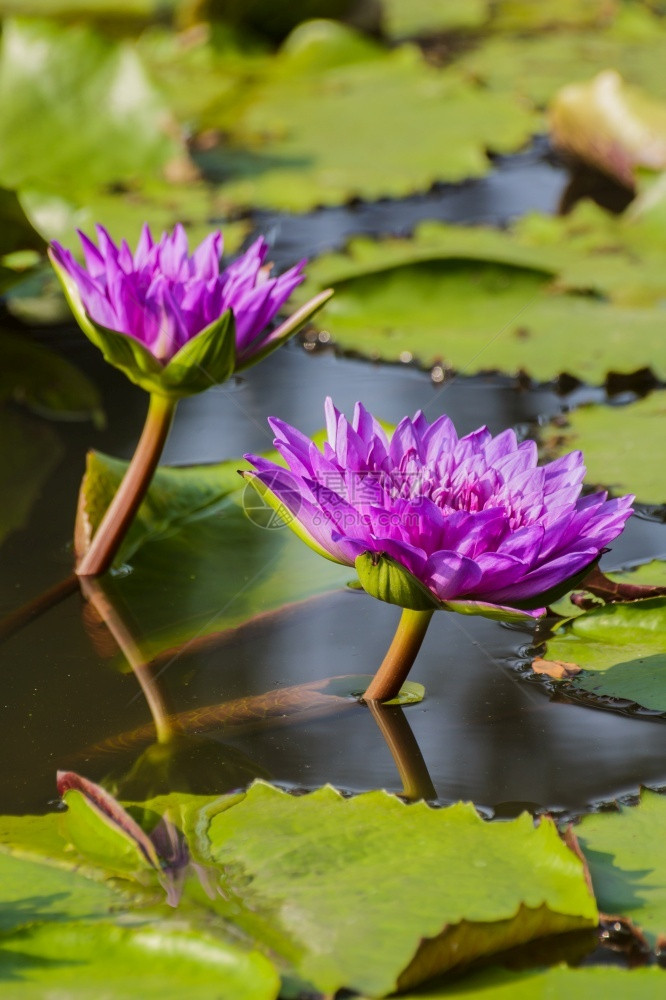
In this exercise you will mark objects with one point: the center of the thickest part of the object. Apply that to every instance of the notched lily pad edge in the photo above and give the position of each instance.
(641, 381)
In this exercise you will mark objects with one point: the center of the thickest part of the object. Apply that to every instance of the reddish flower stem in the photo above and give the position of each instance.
(120, 513)
(400, 657)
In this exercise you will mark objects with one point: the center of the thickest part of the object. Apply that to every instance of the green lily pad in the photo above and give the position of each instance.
(86, 961)
(533, 67)
(203, 75)
(649, 574)
(29, 451)
(156, 202)
(614, 983)
(620, 648)
(34, 891)
(308, 137)
(321, 880)
(91, 105)
(474, 299)
(430, 17)
(194, 518)
(608, 436)
(105, 10)
(623, 851)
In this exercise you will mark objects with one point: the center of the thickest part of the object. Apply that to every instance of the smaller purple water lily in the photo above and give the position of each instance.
(431, 520)
(174, 322)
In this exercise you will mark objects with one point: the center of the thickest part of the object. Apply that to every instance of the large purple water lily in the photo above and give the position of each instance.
(176, 322)
(476, 524)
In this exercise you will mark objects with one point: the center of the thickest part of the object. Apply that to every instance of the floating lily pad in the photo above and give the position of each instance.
(534, 67)
(321, 880)
(322, 137)
(68, 928)
(193, 518)
(429, 17)
(86, 961)
(608, 437)
(649, 574)
(204, 74)
(34, 891)
(624, 852)
(475, 298)
(614, 983)
(158, 203)
(477, 316)
(620, 648)
(91, 106)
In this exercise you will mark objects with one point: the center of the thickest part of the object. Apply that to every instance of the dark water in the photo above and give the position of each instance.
(485, 732)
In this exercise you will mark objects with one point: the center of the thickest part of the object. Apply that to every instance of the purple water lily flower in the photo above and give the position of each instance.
(162, 296)
(476, 523)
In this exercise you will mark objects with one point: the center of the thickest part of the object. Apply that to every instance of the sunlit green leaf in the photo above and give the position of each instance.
(384, 126)
(351, 904)
(612, 982)
(534, 67)
(649, 574)
(35, 892)
(620, 648)
(623, 851)
(87, 961)
(429, 17)
(474, 298)
(158, 203)
(95, 117)
(607, 436)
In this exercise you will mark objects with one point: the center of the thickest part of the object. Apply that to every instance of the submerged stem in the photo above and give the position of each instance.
(38, 606)
(401, 654)
(133, 488)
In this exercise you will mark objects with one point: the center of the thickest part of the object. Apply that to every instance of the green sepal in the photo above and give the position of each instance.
(207, 359)
(290, 520)
(285, 330)
(384, 578)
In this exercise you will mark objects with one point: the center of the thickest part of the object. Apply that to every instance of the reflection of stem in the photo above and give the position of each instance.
(400, 656)
(123, 636)
(37, 606)
(130, 493)
(394, 727)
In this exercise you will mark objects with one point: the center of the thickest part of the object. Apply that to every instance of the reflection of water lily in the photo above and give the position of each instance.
(431, 520)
